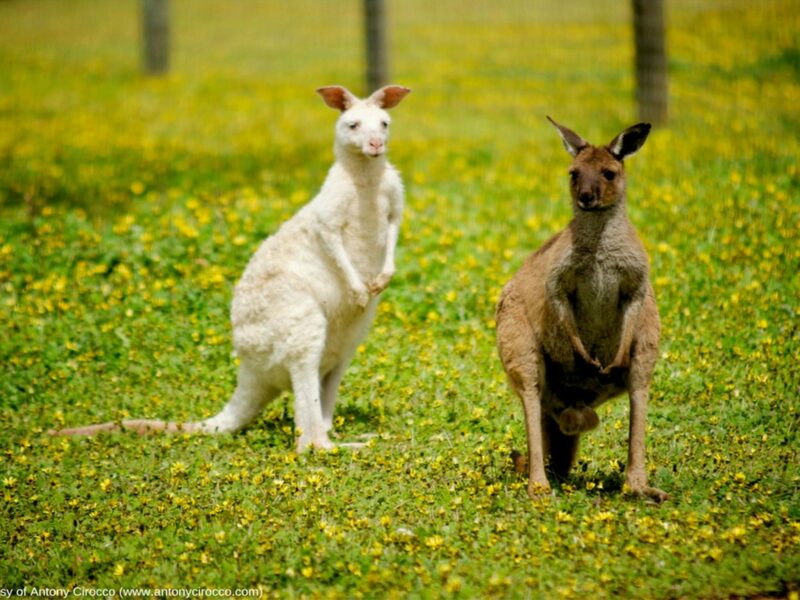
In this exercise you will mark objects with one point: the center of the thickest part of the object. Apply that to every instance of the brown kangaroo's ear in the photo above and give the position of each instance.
(388, 96)
(571, 140)
(337, 97)
(629, 141)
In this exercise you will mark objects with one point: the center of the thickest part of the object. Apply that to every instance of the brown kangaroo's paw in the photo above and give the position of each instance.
(650, 493)
(538, 490)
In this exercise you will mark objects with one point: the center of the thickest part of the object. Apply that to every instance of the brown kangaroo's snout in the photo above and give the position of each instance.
(587, 199)
(597, 179)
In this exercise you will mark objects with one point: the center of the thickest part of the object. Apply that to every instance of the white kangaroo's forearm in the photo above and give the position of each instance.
(391, 243)
(333, 246)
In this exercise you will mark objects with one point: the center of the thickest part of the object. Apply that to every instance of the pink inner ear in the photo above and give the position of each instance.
(391, 95)
(336, 97)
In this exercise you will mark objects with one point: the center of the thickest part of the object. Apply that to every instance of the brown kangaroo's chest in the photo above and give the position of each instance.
(596, 302)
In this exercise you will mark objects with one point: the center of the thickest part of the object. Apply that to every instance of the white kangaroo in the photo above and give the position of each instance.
(308, 296)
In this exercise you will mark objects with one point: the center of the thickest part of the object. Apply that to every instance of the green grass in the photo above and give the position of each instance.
(128, 208)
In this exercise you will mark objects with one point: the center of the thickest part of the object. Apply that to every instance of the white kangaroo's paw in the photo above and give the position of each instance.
(380, 283)
(352, 445)
(318, 442)
(364, 440)
(304, 443)
(361, 296)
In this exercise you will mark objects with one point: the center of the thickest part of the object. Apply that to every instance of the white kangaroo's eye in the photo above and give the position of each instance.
(385, 124)
(353, 125)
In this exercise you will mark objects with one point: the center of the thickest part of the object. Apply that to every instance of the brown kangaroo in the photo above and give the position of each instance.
(578, 323)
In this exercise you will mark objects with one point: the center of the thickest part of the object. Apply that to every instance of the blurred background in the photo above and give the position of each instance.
(238, 78)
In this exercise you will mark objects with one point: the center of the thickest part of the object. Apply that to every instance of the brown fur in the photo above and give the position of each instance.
(578, 323)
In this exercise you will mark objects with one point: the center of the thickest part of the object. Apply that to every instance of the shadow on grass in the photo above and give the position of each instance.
(275, 426)
(129, 174)
(593, 482)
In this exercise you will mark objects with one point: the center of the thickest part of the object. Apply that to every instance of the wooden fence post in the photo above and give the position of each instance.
(651, 60)
(377, 54)
(155, 36)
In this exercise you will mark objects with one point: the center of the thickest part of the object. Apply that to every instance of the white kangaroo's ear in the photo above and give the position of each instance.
(629, 141)
(573, 143)
(388, 96)
(337, 97)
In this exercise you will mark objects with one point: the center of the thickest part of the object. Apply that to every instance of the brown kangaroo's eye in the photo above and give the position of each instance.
(573, 175)
(609, 175)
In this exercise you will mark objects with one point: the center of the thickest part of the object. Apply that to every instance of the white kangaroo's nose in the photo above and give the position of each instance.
(375, 146)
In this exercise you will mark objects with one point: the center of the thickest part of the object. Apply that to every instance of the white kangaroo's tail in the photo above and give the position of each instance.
(236, 414)
(247, 401)
(140, 426)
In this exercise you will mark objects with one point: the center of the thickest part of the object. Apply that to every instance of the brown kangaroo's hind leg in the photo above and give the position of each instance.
(523, 364)
(643, 360)
(636, 475)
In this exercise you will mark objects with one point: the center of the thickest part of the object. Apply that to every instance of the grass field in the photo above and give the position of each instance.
(128, 208)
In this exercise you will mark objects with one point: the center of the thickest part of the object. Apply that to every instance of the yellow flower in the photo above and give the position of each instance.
(715, 553)
(434, 542)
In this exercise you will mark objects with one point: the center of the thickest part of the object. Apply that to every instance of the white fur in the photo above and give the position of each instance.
(308, 296)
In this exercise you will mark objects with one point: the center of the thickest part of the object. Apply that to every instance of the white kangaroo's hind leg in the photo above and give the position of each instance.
(330, 393)
(308, 406)
(333, 379)
(247, 401)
